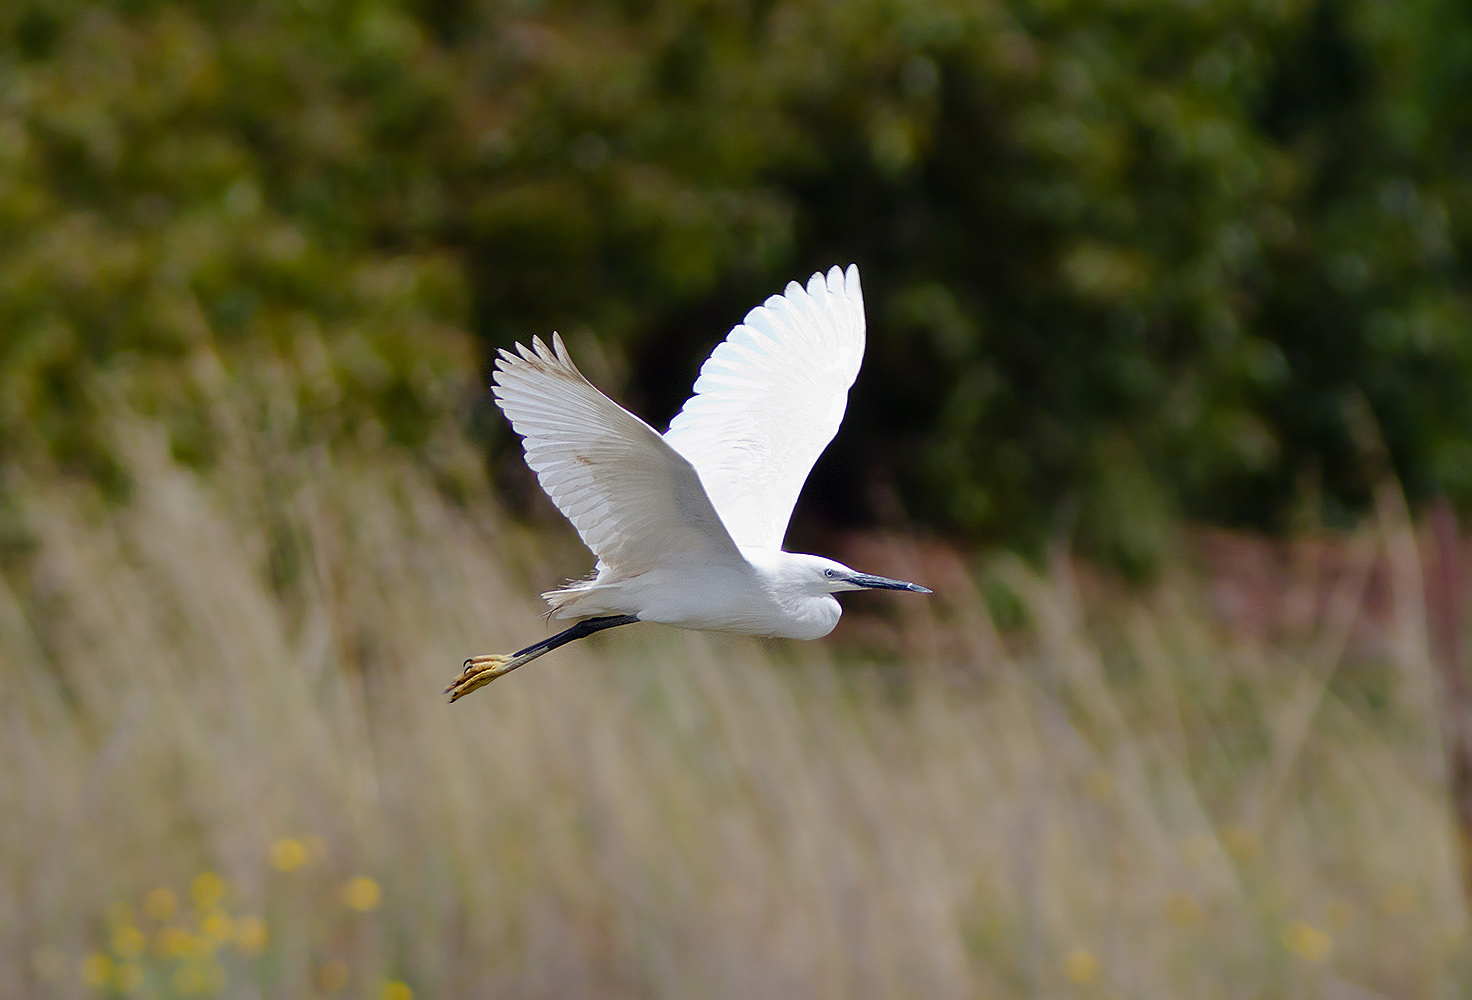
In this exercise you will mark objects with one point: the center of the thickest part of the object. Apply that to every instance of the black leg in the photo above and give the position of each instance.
(581, 630)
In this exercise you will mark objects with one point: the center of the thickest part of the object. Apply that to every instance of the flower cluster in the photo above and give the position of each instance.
(195, 942)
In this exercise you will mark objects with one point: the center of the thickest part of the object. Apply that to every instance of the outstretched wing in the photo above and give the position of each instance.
(633, 499)
(768, 401)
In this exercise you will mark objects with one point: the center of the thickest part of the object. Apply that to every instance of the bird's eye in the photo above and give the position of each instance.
(829, 573)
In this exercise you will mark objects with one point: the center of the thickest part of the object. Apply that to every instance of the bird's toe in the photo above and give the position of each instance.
(477, 673)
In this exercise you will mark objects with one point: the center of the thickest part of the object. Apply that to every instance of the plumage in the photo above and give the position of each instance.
(687, 527)
(768, 401)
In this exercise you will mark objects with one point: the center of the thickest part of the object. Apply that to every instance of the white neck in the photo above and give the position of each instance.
(810, 614)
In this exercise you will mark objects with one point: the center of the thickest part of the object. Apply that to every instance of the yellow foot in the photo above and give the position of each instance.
(480, 671)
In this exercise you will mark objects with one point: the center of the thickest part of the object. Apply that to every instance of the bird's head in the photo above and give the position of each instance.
(825, 576)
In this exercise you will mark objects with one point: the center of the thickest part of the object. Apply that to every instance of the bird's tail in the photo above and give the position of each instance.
(576, 600)
(560, 598)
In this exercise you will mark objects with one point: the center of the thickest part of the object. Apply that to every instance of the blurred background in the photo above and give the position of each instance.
(1168, 396)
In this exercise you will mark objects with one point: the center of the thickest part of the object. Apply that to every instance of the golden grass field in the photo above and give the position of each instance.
(229, 770)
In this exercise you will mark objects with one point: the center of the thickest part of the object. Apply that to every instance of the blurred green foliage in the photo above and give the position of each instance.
(1124, 261)
(192, 194)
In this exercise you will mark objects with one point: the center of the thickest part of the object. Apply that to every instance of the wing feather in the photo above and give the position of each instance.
(634, 500)
(769, 399)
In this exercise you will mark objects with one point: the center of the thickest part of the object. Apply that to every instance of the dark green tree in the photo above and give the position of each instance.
(1124, 262)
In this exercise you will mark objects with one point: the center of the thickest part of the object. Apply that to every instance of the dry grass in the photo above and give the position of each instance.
(240, 675)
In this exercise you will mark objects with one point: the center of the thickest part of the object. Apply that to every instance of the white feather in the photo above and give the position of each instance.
(633, 499)
(768, 401)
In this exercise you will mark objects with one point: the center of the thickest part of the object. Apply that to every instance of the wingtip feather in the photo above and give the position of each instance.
(817, 285)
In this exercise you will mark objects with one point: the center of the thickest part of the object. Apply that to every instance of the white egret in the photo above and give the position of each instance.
(688, 527)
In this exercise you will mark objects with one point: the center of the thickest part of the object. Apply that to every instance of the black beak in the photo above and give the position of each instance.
(885, 583)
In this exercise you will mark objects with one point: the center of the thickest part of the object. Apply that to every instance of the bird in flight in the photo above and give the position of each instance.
(687, 526)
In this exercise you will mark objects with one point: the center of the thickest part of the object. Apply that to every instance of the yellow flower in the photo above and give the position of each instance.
(362, 894)
(218, 926)
(395, 990)
(1239, 841)
(287, 855)
(251, 935)
(194, 978)
(189, 980)
(127, 941)
(174, 942)
(128, 978)
(96, 971)
(214, 977)
(160, 904)
(1181, 909)
(207, 888)
(1081, 967)
(333, 976)
(1308, 943)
